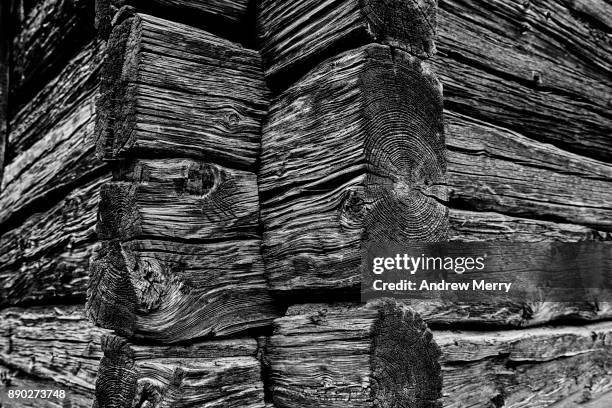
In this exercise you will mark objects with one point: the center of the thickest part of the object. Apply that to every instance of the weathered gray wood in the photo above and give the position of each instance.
(56, 344)
(494, 169)
(5, 39)
(180, 199)
(212, 374)
(173, 292)
(13, 379)
(46, 258)
(51, 33)
(541, 68)
(351, 154)
(375, 355)
(227, 18)
(60, 160)
(296, 35)
(492, 226)
(73, 86)
(539, 367)
(174, 90)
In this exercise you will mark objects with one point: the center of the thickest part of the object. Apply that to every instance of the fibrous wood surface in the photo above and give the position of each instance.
(352, 153)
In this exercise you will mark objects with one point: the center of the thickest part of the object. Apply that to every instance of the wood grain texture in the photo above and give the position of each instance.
(170, 89)
(46, 258)
(171, 292)
(295, 36)
(352, 153)
(541, 68)
(55, 344)
(181, 199)
(50, 34)
(13, 379)
(565, 366)
(73, 86)
(5, 35)
(227, 18)
(60, 160)
(212, 374)
(494, 169)
(328, 356)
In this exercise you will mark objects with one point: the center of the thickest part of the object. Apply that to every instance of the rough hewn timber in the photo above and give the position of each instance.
(215, 374)
(568, 366)
(56, 344)
(375, 355)
(174, 90)
(170, 292)
(5, 33)
(296, 35)
(60, 160)
(541, 68)
(14, 379)
(227, 18)
(73, 86)
(494, 169)
(351, 154)
(46, 258)
(51, 33)
(180, 199)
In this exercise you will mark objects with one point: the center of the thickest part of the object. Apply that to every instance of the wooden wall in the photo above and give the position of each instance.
(226, 231)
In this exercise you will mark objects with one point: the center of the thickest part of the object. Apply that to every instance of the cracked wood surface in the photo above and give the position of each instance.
(215, 374)
(170, 89)
(296, 35)
(227, 18)
(375, 355)
(48, 35)
(53, 344)
(354, 152)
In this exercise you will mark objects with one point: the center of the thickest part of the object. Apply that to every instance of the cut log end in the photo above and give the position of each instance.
(414, 379)
(407, 25)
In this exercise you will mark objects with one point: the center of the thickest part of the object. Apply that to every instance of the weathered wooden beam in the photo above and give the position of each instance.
(51, 33)
(227, 18)
(212, 374)
(170, 292)
(352, 153)
(182, 199)
(173, 90)
(5, 40)
(296, 35)
(380, 354)
(71, 87)
(16, 380)
(540, 68)
(60, 160)
(491, 226)
(566, 365)
(494, 169)
(52, 343)
(45, 259)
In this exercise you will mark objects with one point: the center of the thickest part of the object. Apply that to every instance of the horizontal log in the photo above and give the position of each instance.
(60, 160)
(51, 33)
(212, 374)
(352, 153)
(227, 18)
(540, 68)
(180, 199)
(527, 368)
(492, 226)
(295, 36)
(73, 86)
(170, 292)
(494, 169)
(18, 381)
(46, 258)
(56, 344)
(171, 89)
(340, 356)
